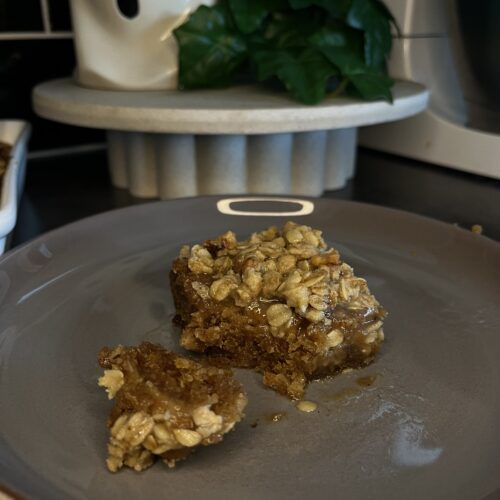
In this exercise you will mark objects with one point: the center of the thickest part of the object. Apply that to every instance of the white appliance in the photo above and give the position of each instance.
(449, 46)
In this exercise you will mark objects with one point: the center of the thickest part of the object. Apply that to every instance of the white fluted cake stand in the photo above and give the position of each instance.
(238, 140)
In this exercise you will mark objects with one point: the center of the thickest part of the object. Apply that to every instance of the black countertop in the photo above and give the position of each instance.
(64, 189)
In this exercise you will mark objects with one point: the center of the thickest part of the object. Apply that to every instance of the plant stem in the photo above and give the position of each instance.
(341, 87)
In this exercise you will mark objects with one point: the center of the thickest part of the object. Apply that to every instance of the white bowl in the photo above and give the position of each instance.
(15, 133)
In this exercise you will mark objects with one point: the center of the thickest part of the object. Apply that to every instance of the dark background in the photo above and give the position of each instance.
(36, 45)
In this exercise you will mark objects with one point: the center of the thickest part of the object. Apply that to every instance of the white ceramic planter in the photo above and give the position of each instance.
(139, 53)
(17, 134)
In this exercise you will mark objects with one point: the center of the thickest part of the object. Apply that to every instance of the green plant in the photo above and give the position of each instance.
(312, 47)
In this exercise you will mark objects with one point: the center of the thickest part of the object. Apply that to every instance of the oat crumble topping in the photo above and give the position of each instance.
(165, 405)
(281, 302)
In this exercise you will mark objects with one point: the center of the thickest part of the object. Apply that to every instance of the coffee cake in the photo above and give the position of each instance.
(280, 302)
(166, 405)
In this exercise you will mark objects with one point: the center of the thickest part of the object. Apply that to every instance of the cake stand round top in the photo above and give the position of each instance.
(234, 110)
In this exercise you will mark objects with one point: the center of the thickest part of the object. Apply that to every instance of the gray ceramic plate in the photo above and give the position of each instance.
(429, 426)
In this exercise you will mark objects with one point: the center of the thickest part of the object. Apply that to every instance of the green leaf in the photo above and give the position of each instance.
(249, 15)
(309, 46)
(367, 15)
(372, 86)
(388, 14)
(301, 4)
(304, 74)
(293, 29)
(342, 46)
(211, 50)
(382, 7)
(336, 8)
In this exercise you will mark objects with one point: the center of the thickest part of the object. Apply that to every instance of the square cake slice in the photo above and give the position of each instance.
(280, 302)
(165, 405)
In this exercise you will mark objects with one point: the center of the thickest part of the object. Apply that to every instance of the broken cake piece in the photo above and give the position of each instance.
(280, 302)
(166, 405)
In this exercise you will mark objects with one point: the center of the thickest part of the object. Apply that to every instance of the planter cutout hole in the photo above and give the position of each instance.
(128, 8)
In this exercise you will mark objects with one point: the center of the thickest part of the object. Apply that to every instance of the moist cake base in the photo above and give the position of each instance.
(166, 405)
(281, 303)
